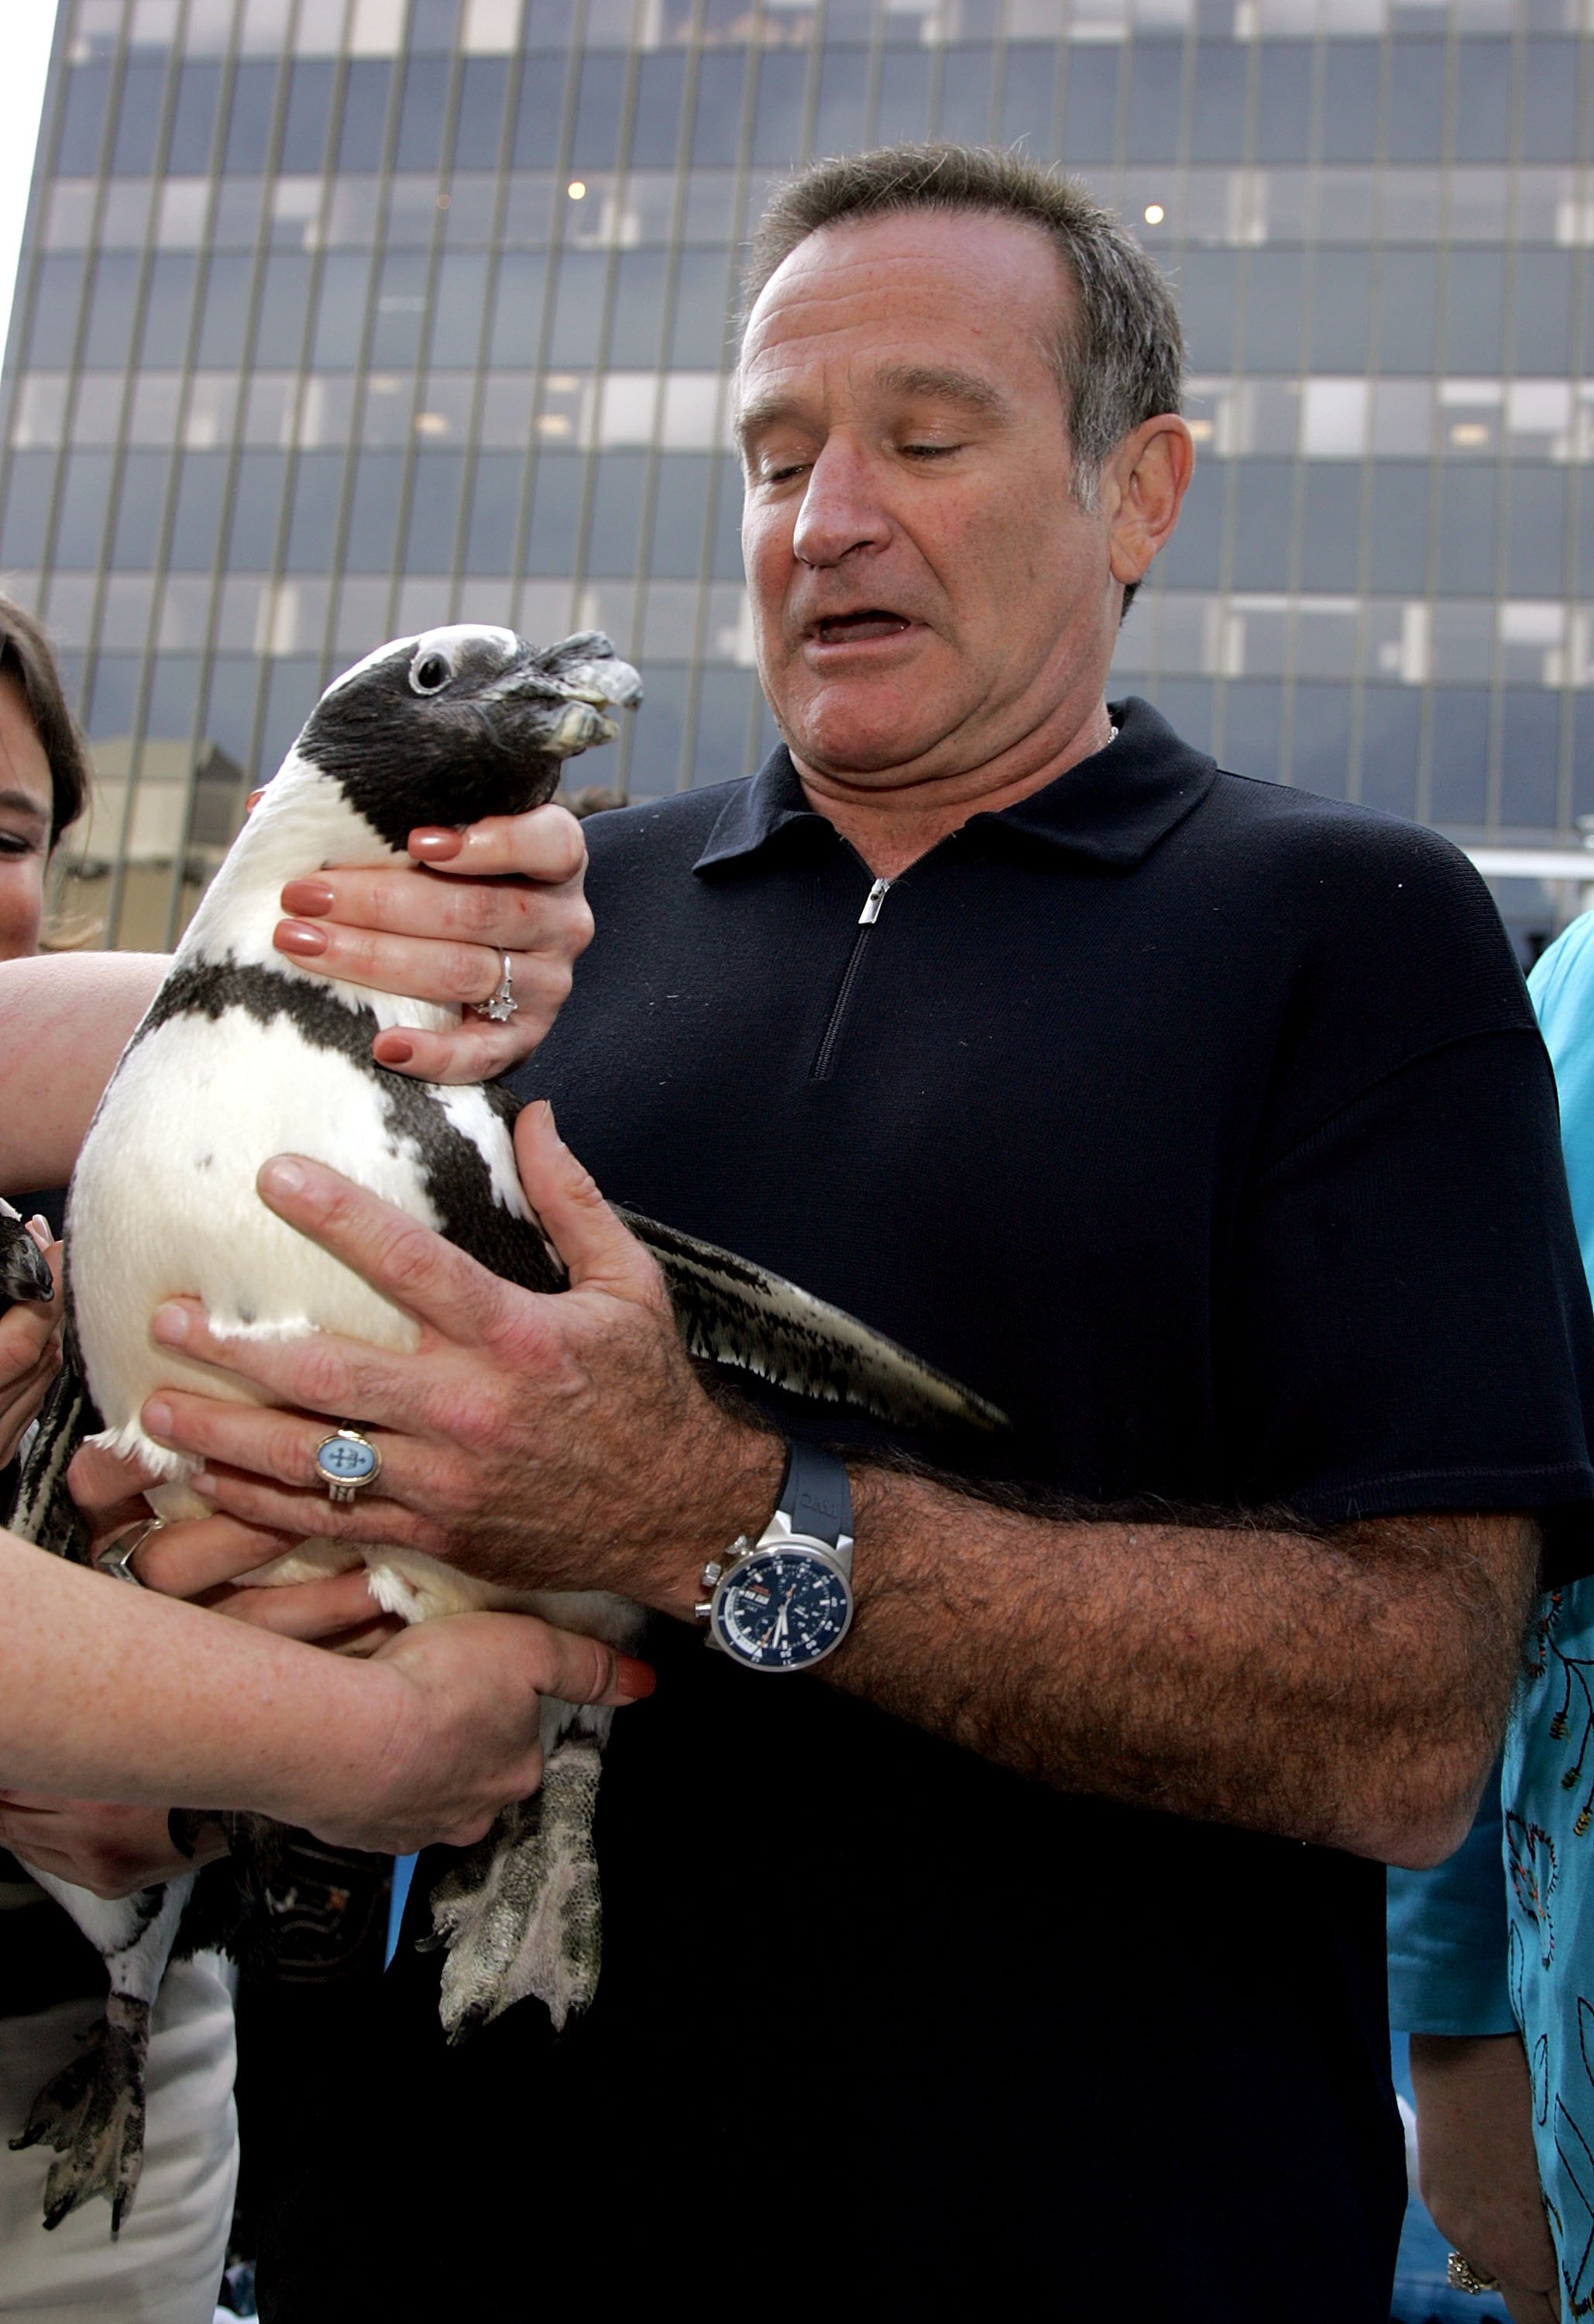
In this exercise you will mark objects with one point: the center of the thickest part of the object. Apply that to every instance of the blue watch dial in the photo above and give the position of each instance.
(782, 1610)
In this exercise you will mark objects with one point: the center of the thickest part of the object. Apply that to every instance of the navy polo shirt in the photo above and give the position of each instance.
(1204, 1127)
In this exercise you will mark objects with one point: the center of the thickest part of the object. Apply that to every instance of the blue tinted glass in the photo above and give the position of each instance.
(700, 336)
(483, 84)
(1155, 82)
(1252, 717)
(292, 684)
(1543, 297)
(1186, 703)
(721, 750)
(1474, 310)
(312, 524)
(1583, 765)
(616, 513)
(1416, 100)
(495, 513)
(193, 120)
(1090, 106)
(1460, 780)
(1272, 311)
(341, 315)
(1193, 558)
(1530, 753)
(138, 117)
(111, 310)
(229, 714)
(86, 492)
(82, 120)
(965, 96)
(364, 114)
(169, 303)
(903, 111)
(1391, 727)
(421, 111)
(434, 24)
(249, 117)
(1262, 491)
(56, 287)
(1217, 108)
(373, 514)
(1206, 306)
(460, 296)
(1026, 97)
(1535, 532)
(537, 117)
(1341, 310)
(548, 24)
(516, 310)
(1320, 740)
(1467, 530)
(1330, 506)
(716, 123)
(655, 737)
(1407, 308)
(173, 696)
(1549, 105)
(197, 520)
(1586, 545)
(843, 89)
(284, 309)
(778, 120)
(309, 112)
(112, 695)
(1283, 101)
(225, 314)
(28, 483)
(1397, 526)
(639, 309)
(400, 309)
(138, 510)
(595, 136)
(680, 504)
(434, 512)
(578, 308)
(656, 133)
(555, 511)
(1483, 101)
(726, 563)
(257, 507)
(1351, 72)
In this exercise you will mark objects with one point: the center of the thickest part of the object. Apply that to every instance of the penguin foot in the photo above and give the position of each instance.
(521, 1913)
(93, 2113)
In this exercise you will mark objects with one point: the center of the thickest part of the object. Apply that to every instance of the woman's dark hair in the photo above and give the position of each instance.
(25, 656)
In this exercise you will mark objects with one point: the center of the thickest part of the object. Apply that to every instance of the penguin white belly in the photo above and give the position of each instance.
(164, 1203)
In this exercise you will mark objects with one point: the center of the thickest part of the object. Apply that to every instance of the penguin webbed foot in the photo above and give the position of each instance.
(92, 2113)
(24, 1272)
(520, 1913)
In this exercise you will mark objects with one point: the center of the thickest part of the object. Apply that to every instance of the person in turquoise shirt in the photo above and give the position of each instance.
(1491, 1955)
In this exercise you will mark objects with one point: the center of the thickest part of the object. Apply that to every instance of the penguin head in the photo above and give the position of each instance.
(462, 721)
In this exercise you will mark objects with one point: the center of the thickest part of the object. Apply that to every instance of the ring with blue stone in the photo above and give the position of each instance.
(346, 1462)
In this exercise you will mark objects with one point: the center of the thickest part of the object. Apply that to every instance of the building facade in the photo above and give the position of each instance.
(337, 318)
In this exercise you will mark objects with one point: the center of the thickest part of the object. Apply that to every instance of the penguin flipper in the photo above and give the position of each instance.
(736, 1313)
(46, 1512)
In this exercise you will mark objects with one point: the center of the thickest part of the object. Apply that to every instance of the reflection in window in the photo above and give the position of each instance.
(495, 512)
(257, 501)
(556, 510)
(434, 512)
(138, 513)
(1458, 783)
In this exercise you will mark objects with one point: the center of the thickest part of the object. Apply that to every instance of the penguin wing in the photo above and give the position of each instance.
(735, 1313)
(46, 1513)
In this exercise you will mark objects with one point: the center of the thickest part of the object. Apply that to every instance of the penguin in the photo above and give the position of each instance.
(243, 1054)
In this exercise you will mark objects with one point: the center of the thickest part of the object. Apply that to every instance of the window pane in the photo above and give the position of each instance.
(196, 523)
(578, 311)
(401, 307)
(965, 94)
(495, 513)
(537, 120)
(1407, 306)
(1319, 748)
(556, 508)
(1416, 100)
(1090, 105)
(1483, 101)
(257, 501)
(724, 703)
(778, 122)
(114, 696)
(1252, 717)
(167, 307)
(1530, 751)
(1536, 538)
(1206, 301)
(657, 130)
(716, 126)
(456, 314)
(1329, 517)
(229, 714)
(1262, 523)
(639, 309)
(1466, 532)
(1191, 559)
(374, 514)
(1541, 329)
(1026, 98)
(1349, 100)
(312, 525)
(309, 109)
(226, 309)
(684, 481)
(616, 512)
(56, 285)
(595, 135)
(83, 120)
(656, 738)
(341, 315)
(28, 488)
(517, 316)
(1549, 101)
(84, 496)
(249, 117)
(1341, 310)
(1283, 101)
(138, 512)
(1155, 82)
(727, 564)
(421, 109)
(1461, 754)
(433, 512)
(1272, 311)
(110, 312)
(1390, 732)
(142, 86)
(364, 114)
(1473, 310)
(483, 84)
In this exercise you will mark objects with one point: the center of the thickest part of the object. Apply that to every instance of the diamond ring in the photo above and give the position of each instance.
(502, 1004)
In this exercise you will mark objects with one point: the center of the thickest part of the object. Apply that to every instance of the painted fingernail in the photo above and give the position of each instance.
(157, 1416)
(281, 1176)
(436, 846)
(635, 1680)
(393, 1049)
(301, 937)
(170, 1326)
(310, 897)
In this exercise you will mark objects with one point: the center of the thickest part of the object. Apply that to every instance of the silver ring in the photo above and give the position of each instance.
(117, 1555)
(502, 1004)
(346, 1462)
(1462, 2276)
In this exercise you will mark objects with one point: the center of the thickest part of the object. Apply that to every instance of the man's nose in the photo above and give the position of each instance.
(841, 509)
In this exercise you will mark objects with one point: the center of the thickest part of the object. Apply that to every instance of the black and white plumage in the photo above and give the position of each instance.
(243, 1054)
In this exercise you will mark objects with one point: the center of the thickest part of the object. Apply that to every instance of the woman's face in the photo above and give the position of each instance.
(26, 799)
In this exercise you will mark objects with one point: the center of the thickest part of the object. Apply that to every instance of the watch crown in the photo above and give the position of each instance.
(710, 1575)
(704, 1608)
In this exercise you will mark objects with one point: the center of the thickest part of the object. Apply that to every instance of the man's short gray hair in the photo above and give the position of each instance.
(1119, 357)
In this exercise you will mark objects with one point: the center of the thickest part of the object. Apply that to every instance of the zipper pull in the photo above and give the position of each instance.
(872, 904)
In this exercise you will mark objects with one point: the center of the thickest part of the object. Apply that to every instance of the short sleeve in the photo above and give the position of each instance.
(1407, 1324)
(1447, 1936)
(1562, 990)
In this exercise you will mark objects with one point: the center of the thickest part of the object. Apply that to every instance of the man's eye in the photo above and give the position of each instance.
(929, 451)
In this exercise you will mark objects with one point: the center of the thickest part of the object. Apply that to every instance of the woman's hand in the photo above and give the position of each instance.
(29, 1351)
(114, 1851)
(1478, 2168)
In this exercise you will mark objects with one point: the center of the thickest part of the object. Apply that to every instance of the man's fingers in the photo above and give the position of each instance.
(430, 1278)
(594, 1247)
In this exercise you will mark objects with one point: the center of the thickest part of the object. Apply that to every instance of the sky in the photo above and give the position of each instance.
(25, 30)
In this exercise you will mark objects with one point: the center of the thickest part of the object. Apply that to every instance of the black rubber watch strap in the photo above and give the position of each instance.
(816, 1494)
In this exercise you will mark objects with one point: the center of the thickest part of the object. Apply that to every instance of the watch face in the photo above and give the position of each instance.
(783, 1609)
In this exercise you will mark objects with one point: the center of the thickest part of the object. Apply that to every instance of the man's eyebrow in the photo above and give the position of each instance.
(942, 384)
(24, 803)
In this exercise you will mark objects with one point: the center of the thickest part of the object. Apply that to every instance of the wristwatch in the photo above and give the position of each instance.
(785, 1602)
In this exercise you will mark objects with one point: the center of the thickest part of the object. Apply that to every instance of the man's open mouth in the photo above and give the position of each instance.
(870, 622)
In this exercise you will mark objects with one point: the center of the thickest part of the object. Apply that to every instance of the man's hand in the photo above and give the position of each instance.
(30, 1357)
(1478, 2172)
(113, 1850)
(439, 931)
(558, 1442)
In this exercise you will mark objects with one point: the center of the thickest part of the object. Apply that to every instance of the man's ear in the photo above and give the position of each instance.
(1146, 483)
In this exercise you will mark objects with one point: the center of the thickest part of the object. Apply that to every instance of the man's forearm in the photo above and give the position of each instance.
(1349, 1689)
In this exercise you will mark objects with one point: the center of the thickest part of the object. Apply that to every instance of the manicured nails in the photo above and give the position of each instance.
(303, 939)
(635, 1680)
(393, 1049)
(438, 845)
(307, 899)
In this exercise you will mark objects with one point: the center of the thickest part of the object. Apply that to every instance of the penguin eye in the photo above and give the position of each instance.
(428, 677)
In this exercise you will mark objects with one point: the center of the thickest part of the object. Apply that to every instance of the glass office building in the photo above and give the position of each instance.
(340, 318)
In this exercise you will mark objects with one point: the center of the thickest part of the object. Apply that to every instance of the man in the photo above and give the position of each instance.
(1029, 1946)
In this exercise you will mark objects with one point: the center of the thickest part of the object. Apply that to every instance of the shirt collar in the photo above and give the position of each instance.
(1114, 807)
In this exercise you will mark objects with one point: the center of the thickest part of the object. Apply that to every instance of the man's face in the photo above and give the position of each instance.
(928, 592)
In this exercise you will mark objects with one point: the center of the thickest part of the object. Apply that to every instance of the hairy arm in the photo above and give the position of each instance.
(1349, 1689)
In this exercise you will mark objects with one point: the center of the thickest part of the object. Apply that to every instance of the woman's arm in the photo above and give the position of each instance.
(65, 1019)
